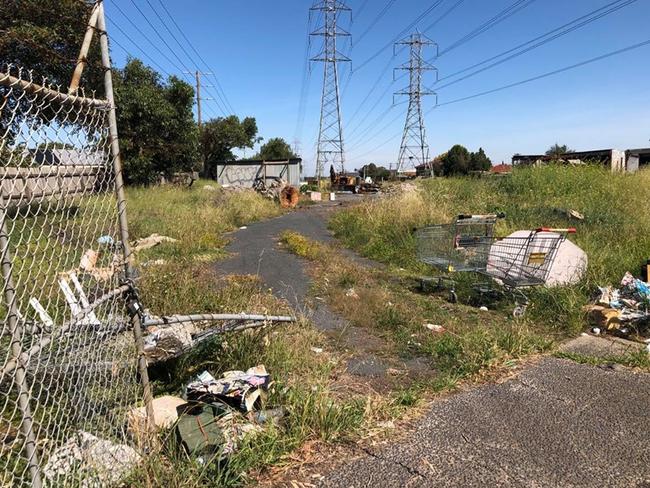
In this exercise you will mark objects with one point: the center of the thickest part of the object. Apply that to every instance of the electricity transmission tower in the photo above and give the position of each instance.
(414, 149)
(330, 136)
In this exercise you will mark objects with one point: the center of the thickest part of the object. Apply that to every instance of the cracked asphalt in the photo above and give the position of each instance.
(557, 424)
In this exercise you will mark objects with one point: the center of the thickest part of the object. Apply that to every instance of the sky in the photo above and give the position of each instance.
(257, 51)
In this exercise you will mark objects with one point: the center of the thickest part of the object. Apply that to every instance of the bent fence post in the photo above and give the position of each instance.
(121, 208)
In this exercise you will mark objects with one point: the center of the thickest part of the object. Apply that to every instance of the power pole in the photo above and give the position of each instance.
(330, 135)
(198, 97)
(414, 149)
(197, 75)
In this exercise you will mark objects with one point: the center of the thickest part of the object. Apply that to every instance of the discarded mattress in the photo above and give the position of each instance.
(528, 257)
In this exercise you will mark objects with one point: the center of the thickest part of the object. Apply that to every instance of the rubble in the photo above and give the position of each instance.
(163, 343)
(149, 242)
(621, 311)
(164, 415)
(105, 461)
(238, 389)
(435, 328)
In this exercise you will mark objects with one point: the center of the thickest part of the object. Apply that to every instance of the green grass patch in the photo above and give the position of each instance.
(613, 234)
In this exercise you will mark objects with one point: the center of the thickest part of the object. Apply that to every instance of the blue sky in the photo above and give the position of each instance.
(257, 50)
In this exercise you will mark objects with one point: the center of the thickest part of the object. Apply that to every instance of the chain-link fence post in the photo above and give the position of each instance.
(26, 424)
(121, 208)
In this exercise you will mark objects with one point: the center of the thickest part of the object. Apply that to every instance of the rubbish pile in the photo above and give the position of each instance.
(215, 415)
(624, 311)
(276, 188)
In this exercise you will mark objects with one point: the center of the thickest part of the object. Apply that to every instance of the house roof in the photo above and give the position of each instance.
(501, 168)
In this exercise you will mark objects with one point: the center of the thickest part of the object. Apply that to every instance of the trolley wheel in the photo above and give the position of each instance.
(453, 298)
(519, 311)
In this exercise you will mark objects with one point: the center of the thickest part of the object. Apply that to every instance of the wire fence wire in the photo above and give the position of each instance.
(69, 358)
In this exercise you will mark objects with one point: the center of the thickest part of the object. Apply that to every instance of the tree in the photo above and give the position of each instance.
(479, 161)
(556, 151)
(456, 161)
(221, 135)
(157, 131)
(276, 148)
(377, 173)
(45, 36)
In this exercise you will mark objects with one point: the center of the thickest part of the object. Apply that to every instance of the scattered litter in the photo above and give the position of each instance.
(209, 188)
(164, 415)
(435, 328)
(151, 241)
(387, 424)
(88, 264)
(332, 197)
(622, 311)
(243, 227)
(570, 213)
(316, 196)
(351, 293)
(316, 350)
(269, 416)
(239, 389)
(162, 343)
(42, 313)
(106, 241)
(85, 453)
(155, 262)
(483, 308)
(77, 302)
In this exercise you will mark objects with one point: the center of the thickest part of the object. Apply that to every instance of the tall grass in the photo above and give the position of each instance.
(613, 234)
(197, 217)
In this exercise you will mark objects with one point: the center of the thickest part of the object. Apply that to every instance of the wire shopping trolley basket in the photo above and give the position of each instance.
(461, 246)
(468, 245)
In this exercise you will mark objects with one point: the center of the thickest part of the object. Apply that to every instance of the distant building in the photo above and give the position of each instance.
(244, 173)
(502, 168)
(630, 160)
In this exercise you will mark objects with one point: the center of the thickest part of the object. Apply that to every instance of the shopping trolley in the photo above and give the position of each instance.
(461, 246)
(520, 260)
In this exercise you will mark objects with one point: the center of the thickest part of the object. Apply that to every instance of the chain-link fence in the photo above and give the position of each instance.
(69, 369)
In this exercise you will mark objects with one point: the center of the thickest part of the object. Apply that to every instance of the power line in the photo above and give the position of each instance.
(153, 45)
(424, 14)
(550, 73)
(521, 82)
(387, 67)
(189, 43)
(559, 32)
(172, 51)
(374, 22)
(497, 19)
(187, 54)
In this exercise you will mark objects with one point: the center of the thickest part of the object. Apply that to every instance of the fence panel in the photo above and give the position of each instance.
(69, 370)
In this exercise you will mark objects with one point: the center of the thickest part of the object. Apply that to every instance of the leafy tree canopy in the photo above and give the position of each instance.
(456, 161)
(45, 36)
(156, 124)
(557, 150)
(221, 135)
(275, 148)
(479, 161)
(459, 161)
(377, 173)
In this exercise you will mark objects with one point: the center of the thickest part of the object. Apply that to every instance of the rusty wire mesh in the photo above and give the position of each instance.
(68, 356)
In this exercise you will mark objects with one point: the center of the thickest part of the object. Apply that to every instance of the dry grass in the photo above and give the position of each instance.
(613, 233)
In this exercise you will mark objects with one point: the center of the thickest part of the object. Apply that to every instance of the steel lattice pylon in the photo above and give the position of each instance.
(330, 136)
(414, 149)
